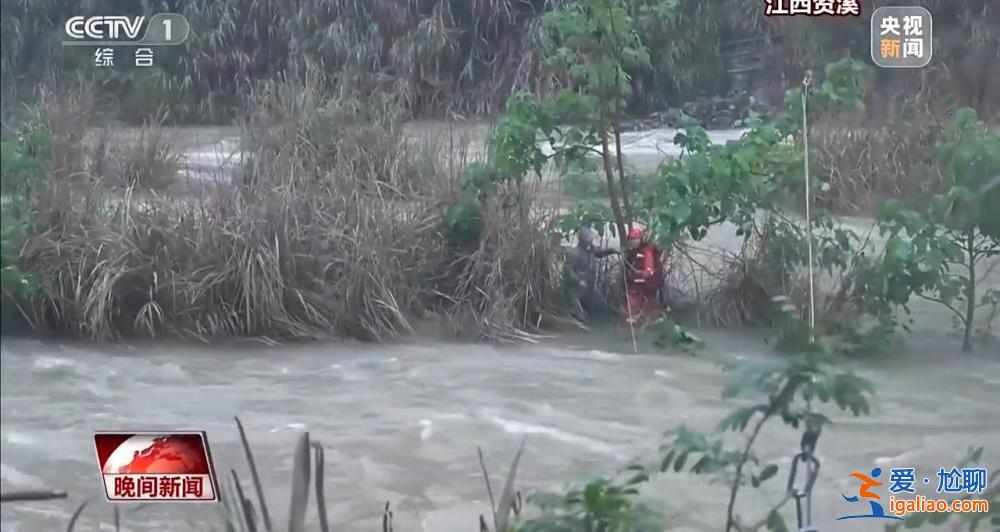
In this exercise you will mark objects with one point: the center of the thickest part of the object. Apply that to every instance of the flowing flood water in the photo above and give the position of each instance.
(401, 422)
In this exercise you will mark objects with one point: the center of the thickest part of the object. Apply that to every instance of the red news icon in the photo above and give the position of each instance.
(156, 466)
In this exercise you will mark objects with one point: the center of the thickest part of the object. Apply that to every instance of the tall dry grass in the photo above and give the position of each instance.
(65, 115)
(334, 229)
(144, 161)
(888, 151)
(436, 55)
(865, 164)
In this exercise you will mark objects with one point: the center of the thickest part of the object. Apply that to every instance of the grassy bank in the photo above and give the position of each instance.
(339, 222)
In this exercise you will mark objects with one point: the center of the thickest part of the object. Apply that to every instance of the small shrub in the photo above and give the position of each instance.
(786, 390)
(669, 333)
(601, 505)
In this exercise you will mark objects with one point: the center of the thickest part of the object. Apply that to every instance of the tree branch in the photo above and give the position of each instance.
(31, 495)
(941, 301)
(763, 522)
(730, 518)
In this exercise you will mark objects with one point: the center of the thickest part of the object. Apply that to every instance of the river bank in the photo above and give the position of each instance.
(212, 158)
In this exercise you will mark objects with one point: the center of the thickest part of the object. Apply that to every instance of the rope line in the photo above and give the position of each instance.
(806, 82)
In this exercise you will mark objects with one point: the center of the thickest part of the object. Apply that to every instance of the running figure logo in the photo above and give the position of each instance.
(864, 492)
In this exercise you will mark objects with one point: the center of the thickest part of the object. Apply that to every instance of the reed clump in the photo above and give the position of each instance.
(332, 228)
(888, 151)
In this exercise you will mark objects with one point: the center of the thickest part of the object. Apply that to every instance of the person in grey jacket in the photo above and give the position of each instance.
(582, 262)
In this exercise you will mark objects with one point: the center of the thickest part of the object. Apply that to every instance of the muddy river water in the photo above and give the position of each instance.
(401, 422)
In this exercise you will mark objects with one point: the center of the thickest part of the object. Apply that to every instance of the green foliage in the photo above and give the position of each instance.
(972, 159)
(745, 183)
(565, 123)
(479, 179)
(670, 333)
(22, 162)
(595, 43)
(601, 505)
(513, 147)
(935, 253)
(582, 213)
(842, 87)
(13, 281)
(917, 255)
(686, 196)
(513, 151)
(801, 378)
(712, 184)
(707, 186)
(463, 220)
(786, 390)
(582, 183)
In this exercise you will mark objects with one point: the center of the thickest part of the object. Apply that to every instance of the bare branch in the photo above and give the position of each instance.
(960, 315)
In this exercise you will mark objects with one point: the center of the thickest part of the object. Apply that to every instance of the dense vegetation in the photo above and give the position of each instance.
(462, 56)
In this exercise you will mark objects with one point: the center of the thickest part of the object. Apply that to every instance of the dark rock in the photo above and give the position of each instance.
(714, 112)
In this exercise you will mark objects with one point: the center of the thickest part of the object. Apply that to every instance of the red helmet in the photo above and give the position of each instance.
(636, 233)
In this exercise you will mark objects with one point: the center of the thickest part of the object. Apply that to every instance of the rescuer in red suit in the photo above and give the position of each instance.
(643, 277)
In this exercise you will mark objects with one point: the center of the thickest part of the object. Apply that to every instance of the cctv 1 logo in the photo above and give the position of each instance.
(159, 29)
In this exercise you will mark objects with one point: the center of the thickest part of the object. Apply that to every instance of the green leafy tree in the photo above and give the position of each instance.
(711, 184)
(746, 183)
(515, 153)
(940, 253)
(786, 391)
(596, 45)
